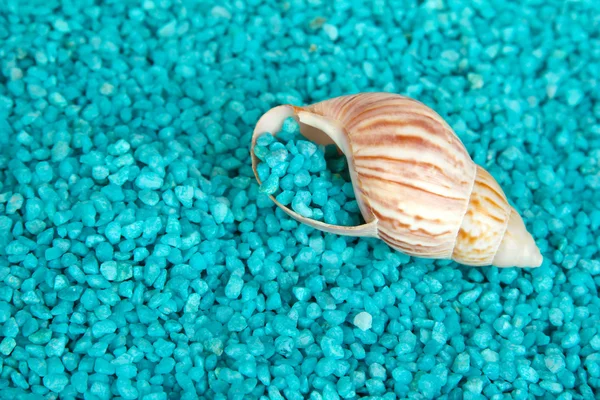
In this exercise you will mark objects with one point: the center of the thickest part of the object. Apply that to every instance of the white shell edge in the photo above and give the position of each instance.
(272, 122)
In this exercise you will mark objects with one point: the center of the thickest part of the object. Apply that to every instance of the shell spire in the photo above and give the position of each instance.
(416, 185)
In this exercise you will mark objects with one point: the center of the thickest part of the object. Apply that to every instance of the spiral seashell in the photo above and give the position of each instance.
(416, 185)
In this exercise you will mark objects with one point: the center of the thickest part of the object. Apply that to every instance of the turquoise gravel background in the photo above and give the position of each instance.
(139, 260)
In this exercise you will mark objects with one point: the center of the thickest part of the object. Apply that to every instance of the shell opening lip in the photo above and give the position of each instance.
(272, 122)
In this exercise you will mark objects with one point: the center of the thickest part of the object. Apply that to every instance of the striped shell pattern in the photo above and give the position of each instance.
(417, 187)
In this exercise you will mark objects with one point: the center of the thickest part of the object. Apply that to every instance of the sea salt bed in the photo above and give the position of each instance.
(140, 258)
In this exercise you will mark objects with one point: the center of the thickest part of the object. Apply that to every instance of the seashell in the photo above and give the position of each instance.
(417, 187)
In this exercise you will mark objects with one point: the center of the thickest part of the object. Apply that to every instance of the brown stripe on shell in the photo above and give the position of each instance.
(412, 137)
(484, 224)
(388, 205)
(493, 196)
(402, 119)
(383, 109)
(438, 251)
(338, 107)
(373, 121)
(370, 101)
(404, 124)
(342, 107)
(399, 103)
(414, 171)
(415, 141)
(413, 228)
(481, 207)
(422, 167)
(412, 180)
(420, 211)
(390, 139)
(365, 176)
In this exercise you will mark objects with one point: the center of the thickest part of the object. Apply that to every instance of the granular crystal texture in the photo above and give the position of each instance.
(139, 258)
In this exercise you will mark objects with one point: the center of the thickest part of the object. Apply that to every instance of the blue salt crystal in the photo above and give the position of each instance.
(104, 367)
(325, 367)
(334, 317)
(273, 301)
(140, 136)
(276, 157)
(570, 340)
(319, 197)
(527, 373)
(317, 162)
(469, 297)
(102, 328)
(109, 270)
(234, 287)
(286, 183)
(302, 179)
(14, 203)
(16, 248)
(331, 348)
(56, 382)
(482, 338)
(100, 389)
(270, 185)
(280, 170)
(149, 180)
(62, 217)
(300, 204)
(265, 140)
(185, 195)
(377, 371)
(290, 125)
(296, 164)
(461, 363)
(149, 197)
(307, 149)
(164, 348)
(552, 387)
(363, 321)
(126, 389)
(132, 230)
(237, 323)
(263, 171)
(219, 212)
(7, 345)
(330, 259)
(276, 244)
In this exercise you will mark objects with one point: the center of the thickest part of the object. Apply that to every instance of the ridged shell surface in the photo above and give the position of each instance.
(484, 223)
(413, 173)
